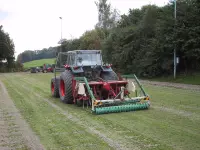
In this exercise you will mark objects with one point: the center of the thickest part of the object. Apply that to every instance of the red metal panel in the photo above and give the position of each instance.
(110, 82)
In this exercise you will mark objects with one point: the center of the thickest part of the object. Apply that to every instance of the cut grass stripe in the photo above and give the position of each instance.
(53, 128)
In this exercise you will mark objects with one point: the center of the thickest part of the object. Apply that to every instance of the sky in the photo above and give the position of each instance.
(35, 24)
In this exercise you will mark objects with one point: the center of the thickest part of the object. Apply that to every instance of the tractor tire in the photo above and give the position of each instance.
(55, 87)
(65, 87)
(109, 76)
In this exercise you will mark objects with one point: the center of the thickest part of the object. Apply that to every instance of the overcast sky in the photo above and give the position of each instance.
(35, 24)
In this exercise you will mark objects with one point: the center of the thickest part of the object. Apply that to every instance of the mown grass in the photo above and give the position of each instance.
(172, 122)
(186, 79)
(54, 129)
(180, 78)
(36, 63)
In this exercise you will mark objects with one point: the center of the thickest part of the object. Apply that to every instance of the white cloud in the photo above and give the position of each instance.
(35, 24)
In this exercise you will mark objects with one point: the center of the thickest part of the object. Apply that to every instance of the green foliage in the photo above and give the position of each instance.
(70, 45)
(188, 34)
(92, 39)
(16, 67)
(144, 40)
(107, 18)
(7, 48)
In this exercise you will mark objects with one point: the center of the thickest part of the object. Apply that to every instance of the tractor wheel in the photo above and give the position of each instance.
(109, 76)
(55, 87)
(65, 87)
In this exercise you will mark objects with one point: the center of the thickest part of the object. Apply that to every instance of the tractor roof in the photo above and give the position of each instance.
(84, 51)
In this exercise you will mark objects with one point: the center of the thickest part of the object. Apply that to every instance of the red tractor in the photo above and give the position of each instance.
(85, 80)
(47, 68)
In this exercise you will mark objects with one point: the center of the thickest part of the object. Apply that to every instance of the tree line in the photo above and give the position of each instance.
(30, 55)
(143, 41)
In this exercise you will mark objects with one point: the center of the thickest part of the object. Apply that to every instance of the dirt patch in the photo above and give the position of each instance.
(174, 85)
(189, 115)
(15, 132)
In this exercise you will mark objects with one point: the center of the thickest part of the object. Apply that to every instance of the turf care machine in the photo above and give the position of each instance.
(85, 81)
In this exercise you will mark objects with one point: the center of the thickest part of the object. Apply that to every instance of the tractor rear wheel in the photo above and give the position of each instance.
(55, 87)
(65, 87)
(109, 76)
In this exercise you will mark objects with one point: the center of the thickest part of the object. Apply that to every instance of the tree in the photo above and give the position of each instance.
(92, 39)
(143, 41)
(107, 18)
(7, 48)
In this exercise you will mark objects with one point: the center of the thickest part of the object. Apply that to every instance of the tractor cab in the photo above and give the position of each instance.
(79, 58)
(88, 58)
(86, 63)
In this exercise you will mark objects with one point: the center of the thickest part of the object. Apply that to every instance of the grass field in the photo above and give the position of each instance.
(186, 79)
(172, 122)
(37, 63)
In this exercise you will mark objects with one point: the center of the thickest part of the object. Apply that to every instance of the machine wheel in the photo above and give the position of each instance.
(79, 103)
(109, 76)
(55, 87)
(65, 87)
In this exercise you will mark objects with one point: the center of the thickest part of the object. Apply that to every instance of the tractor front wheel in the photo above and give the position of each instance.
(65, 87)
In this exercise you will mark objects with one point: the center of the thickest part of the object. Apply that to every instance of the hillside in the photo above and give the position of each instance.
(40, 62)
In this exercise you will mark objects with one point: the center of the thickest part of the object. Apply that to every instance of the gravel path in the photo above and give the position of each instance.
(14, 131)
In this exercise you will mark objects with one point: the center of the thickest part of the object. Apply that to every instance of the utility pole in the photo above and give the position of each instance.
(61, 34)
(175, 44)
(61, 27)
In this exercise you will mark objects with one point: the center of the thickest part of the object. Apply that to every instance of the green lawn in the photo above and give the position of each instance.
(172, 122)
(40, 62)
(187, 79)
